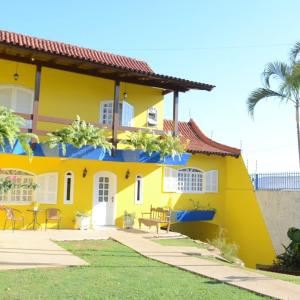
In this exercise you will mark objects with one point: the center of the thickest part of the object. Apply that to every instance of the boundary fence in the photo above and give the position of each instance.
(287, 181)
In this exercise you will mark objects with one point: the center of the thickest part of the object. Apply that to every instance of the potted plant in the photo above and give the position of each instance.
(128, 220)
(80, 140)
(171, 147)
(142, 146)
(83, 220)
(12, 140)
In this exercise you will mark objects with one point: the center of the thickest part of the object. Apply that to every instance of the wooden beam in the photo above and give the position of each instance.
(131, 76)
(116, 116)
(165, 92)
(36, 99)
(24, 116)
(175, 113)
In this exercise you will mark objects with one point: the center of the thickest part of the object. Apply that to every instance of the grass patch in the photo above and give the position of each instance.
(182, 242)
(116, 272)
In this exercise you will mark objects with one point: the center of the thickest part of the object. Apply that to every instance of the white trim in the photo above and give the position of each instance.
(8, 194)
(140, 179)
(66, 177)
(13, 100)
(47, 195)
(102, 102)
(211, 181)
(114, 192)
(170, 180)
(191, 191)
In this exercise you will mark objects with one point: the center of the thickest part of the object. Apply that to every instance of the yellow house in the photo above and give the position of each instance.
(49, 83)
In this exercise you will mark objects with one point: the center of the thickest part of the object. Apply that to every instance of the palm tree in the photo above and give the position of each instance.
(286, 90)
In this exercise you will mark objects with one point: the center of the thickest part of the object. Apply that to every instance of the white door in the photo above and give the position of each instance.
(104, 199)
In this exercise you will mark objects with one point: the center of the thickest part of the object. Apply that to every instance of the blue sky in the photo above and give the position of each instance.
(225, 43)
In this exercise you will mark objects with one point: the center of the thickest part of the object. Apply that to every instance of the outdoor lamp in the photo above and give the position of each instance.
(16, 76)
(84, 172)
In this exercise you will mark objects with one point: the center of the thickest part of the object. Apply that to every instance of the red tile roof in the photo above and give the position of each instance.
(74, 51)
(198, 141)
(126, 64)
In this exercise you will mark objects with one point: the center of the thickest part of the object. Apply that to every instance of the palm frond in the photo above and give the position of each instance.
(275, 69)
(295, 51)
(259, 94)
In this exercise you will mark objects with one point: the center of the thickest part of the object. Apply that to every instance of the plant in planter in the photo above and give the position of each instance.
(10, 131)
(143, 140)
(83, 220)
(128, 219)
(170, 145)
(290, 259)
(79, 134)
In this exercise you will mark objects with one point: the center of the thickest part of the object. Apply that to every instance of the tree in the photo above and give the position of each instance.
(286, 89)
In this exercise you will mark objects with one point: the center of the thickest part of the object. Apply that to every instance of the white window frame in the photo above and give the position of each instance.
(13, 100)
(138, 178)
(69, 175)
(102, 103)
(190, 174)
(8, 194)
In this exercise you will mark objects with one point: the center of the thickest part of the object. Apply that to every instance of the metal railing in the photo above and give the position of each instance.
(287, 181)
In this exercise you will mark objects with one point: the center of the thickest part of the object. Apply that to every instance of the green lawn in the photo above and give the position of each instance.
(116, 272)
(187, 242)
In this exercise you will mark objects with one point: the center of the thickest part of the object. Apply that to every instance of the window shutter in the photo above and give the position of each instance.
(211, 181)
(127, 114)
(47, 188)
(6, 97)
(170, 180)
(24, 101)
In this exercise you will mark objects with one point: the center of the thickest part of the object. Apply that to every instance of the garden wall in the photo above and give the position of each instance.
(281, 210)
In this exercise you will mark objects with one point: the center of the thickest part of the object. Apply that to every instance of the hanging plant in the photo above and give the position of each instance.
(9, 183)
(143, 140)
(79, 134)
(10, 131)
(170, 145)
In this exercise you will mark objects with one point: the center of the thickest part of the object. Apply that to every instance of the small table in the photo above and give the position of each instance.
(34, 224)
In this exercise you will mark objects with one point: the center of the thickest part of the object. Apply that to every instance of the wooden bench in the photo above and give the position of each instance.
(156, 217)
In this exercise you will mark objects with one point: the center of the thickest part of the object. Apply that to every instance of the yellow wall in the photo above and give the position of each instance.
(235, 202)
(243, 217)
(65, 94)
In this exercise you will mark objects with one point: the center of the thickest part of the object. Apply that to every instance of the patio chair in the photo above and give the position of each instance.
(53, 214)
(13, 215)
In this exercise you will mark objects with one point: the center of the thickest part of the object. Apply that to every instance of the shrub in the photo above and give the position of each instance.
(291, 257)
(228, 250)
(10, 131)
(143, 140)
(80, 133)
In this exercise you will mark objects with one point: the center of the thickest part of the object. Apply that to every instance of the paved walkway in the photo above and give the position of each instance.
(178, 257)
(28, 249)
(34, 249)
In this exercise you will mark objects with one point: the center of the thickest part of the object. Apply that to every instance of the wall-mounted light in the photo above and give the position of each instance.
(16, 75)
(125, 95)
(127, 174)
(84, 172)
